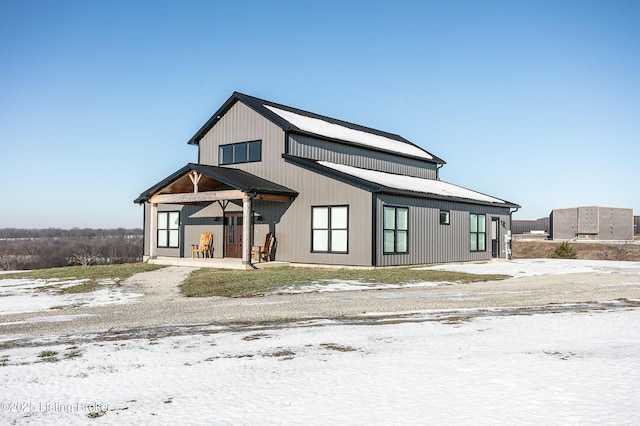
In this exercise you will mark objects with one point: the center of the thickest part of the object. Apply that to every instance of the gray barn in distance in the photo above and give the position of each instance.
(331, 192)
(592, 223)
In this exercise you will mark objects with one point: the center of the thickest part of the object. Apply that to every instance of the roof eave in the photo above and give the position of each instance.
(427, 195)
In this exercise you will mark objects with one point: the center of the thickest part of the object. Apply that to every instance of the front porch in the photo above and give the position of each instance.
(219, 263)
(235, 192)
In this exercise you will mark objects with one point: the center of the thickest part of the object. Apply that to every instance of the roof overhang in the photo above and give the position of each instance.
(200, 183)
(375, 187)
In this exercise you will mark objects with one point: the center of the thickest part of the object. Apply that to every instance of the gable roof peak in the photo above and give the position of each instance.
(296, 120)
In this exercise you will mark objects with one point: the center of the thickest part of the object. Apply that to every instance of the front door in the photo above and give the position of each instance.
(233, 234)
(495, 237)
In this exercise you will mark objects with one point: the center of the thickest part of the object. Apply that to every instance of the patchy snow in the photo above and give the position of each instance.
(410, 183)
(336, 131)
(535, 267)
(350, 285)
(27, 295)
(552, 369)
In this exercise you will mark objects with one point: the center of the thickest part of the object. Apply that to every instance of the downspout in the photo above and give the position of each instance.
(438, 167)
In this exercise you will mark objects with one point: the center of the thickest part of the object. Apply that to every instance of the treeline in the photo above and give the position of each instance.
(53, 247)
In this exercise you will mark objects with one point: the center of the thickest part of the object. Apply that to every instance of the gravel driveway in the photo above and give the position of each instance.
(162, 303)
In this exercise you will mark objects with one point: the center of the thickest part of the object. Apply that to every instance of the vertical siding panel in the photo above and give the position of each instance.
(322, 150)
(431, 242)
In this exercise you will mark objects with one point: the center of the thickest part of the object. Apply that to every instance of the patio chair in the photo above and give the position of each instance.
(264, 249)
(205, 246)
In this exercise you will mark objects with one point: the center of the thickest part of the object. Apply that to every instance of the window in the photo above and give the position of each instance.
(168, 228)
(330, 229)
(244, 152)
(478, 232)
(445, 217)
(396, 230)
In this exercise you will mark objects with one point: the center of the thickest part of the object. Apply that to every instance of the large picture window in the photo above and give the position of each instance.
(168, 229)
(244, 152)
(478, 233)
(330, 229)
(396, 230)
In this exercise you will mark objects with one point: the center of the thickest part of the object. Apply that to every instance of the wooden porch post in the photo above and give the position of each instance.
(153, 231)
(247, 218)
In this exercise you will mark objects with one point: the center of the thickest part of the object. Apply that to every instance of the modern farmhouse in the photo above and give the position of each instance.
(329, 191)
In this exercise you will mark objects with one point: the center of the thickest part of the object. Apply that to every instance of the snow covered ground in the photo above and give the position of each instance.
(568, 368)
(536, 267)
(559, 364)
(26, 295)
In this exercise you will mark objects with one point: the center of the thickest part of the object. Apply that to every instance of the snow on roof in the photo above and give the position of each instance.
(410, 183)
(336, 131)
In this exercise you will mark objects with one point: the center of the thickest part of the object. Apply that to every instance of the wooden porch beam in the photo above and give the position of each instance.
(246, 230)
(195, 178)
(232, 194)
(272, 197)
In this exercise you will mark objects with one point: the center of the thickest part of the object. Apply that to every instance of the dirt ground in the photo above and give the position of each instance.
(535, 249)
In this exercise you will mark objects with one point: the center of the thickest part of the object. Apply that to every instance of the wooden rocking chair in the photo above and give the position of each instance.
(264, 249)
(205, 246)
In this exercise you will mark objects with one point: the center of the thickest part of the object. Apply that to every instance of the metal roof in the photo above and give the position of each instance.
(226, 177)
(376, 187)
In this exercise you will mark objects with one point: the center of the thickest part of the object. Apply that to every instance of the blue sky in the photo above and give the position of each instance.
(536, 102)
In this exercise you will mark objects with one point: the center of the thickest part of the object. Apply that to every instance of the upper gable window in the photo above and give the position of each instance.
(243, 152)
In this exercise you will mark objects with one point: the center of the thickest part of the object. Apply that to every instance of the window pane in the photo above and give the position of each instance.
(162, 220)
(474, 242)
(474, 223)
(226, 155)
(401, 245)
(339, 217)
(173, 238)
(481, 223)
(240, 153)
(389, 218)
(339, 240)
(162, 239)
(481, 241)
(402, 222)
(174, 220)
(320, 219)
(444, 217)
(389, 241)
(320, 240)
(255, 151)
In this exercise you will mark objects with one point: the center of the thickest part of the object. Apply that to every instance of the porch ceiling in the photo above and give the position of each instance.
(227, 181)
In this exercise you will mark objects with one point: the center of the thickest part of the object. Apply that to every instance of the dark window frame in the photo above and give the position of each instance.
(166, 228)
(446, 220)
(477, 236)
(237, 147)
(395, 230)
(329, 229)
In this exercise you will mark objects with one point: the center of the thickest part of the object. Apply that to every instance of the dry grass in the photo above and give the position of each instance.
(90, 273)
(584, 250)
(231, 283)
